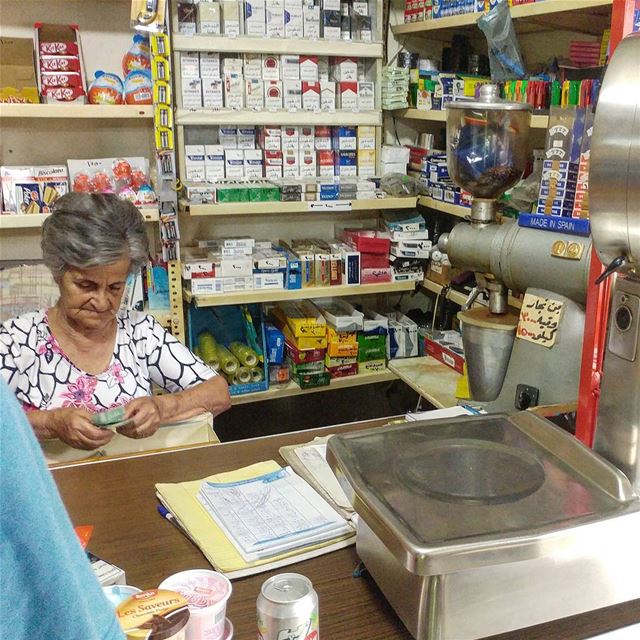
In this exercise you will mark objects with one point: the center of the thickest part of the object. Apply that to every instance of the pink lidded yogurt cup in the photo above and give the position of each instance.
(206, 593)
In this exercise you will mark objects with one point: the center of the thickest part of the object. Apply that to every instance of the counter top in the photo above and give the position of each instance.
(118, 498)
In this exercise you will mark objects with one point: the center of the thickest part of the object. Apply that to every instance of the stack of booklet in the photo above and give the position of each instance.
(258, 518)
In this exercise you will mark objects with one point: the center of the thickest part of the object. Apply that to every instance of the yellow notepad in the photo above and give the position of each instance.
(181, 499)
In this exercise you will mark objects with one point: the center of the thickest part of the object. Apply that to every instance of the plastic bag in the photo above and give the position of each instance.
(398, 185)
(505, 58)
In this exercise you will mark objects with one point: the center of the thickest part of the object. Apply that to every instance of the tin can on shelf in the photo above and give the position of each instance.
(288, 609)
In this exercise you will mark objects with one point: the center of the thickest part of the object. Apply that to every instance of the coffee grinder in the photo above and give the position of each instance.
(487, 151)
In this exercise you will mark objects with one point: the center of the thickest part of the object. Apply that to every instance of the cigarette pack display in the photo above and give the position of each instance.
(233, 91)
(290, 163)
(341, 317)
(347, 95)
(311, 96)
(323, 138)
(293, 19)
(187, 18)
(292, 95)
(255, 17)
(228, 136)
(189, 64)
(290, 138)
(323, 69)
(230, 18)
(254, 93)
(344, 138)
(275, 18)
(252, 65)
(212, 93)
(327, 95)
(268, 281)
(270, 67)
(209, 63)
(345, 27)
(209, 18)
(232, 65)
(311, 19)
(253, 163)
(366, 96)
(234, 163)
(306, 137)
(344, 69)
(290, 67)
(309, 68)
(246, 137)
(331, 24)
(403, 336)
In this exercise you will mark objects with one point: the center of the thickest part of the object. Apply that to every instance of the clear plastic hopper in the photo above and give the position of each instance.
(487, 148)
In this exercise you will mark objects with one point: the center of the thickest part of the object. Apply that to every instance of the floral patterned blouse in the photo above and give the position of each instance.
(42, 377)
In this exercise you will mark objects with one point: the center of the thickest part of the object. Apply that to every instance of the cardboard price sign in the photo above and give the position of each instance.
(539, 320)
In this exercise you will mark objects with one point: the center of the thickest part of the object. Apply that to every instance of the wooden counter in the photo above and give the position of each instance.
(118, 498)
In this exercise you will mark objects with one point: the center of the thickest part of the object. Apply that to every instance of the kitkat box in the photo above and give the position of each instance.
(59, 63)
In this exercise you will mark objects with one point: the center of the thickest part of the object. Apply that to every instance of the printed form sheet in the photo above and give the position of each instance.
(269, 514)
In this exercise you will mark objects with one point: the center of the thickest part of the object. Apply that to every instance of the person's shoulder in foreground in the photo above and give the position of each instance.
(48, 589)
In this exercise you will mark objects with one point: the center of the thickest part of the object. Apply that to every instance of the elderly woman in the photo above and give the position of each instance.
(84, 355)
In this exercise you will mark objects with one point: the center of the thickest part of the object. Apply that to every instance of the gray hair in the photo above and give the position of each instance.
(88, 230)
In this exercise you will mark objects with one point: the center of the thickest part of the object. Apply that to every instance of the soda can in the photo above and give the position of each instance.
(288, 609)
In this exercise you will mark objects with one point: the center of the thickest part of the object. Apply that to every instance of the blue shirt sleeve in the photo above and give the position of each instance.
(48, 589)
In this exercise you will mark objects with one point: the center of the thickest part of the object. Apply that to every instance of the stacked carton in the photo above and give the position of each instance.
(410, 245)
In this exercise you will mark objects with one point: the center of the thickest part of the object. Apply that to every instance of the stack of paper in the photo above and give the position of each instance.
(395, 88)
(236, 519)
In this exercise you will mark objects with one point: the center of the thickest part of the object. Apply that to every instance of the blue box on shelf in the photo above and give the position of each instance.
(232, 323)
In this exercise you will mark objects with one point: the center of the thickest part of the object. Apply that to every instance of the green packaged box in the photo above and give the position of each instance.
(232, 194)
(371, 347)
(312, 380)
(307, 367)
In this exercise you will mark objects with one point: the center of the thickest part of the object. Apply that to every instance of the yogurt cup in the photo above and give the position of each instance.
(117, 593)
(228, 630)
(156, 614)
(207, 593)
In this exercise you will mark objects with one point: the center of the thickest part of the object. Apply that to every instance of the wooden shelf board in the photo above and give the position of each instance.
(430, 378)
(35, 220)
(271, 208)
(301, 46)
(105, 112)
(445, 207)
(546, 12)
(275, 295)
(292, 389)
(264, 117)
(538, 121)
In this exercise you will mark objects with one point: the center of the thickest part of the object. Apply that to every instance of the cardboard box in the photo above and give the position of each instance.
(17, 73)
(340, 315)
(403, 336)
(230, 18)
(302, 317)
(445, 352)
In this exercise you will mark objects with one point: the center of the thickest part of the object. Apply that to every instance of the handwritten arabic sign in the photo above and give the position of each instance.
(539, 320)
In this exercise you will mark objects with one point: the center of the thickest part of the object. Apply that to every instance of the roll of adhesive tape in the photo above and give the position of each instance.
(228, 361)
(245, 354)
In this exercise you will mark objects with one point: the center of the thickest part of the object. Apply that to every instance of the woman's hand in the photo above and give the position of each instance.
(74, 427)
(146, 416)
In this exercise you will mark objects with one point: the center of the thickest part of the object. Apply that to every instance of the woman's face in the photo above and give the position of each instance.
(90, 298)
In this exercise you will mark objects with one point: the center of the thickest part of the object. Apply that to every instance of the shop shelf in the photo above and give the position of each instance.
(583, 16)
(435, 115)
(275, 295)
(274, 208)
(247, 117)
(445, 207)
(292, 389)
(105, 112)
(301, 46)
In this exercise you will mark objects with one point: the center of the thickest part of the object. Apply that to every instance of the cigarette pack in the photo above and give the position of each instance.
(309, 68)
(209, 19)
(233, 91)
(290, 67)
(212, 93)
(292, 95)
(228, 136)
(311, 96)
(230, 18)
(311, 19)
(255, 18)
(209, 63)
(293, 19)
(234, 163)
(253, 65)
(189, 64)
(290, 138)
(366, 96)
(347, 95)
(270, 67)
(327, 95)
(344, 69)
(253, 163)
(275, 18)
(254, 93)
